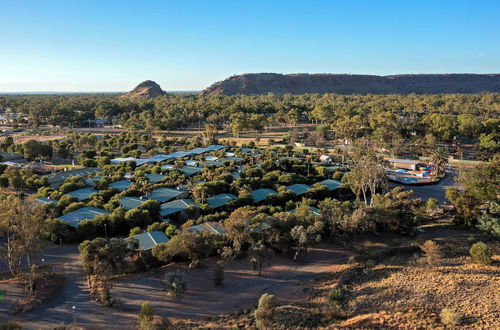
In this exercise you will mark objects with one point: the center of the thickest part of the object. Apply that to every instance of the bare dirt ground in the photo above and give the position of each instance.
(241, 289)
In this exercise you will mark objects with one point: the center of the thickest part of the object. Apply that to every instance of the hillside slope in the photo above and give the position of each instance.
(264, 83)
(146, 89)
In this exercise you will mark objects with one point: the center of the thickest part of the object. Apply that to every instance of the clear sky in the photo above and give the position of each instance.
(112, 45)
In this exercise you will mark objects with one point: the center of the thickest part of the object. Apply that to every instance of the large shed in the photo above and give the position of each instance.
(407, 164)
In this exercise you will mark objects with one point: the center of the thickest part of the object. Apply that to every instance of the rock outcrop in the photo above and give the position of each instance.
(264, 83)
(145, 89)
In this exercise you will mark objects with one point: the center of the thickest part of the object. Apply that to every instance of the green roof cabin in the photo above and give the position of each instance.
(149, 240)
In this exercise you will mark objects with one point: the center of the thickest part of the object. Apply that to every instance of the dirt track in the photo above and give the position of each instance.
(241, 289)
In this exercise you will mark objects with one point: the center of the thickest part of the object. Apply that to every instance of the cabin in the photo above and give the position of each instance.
(84, 213)
(148, 240)
(179, 210)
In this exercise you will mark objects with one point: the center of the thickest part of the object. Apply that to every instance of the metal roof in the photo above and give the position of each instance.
(57, 179)
(90, 181)
(405, 161)
(176, 206)
(84, 213)
(131, 202)
(159, 158)
(121, 160)
(299, 188)
(121, 185)
(331, 184)
(163, 195)
(82, 194)
(220, 200)
(190, 170)
(149, 240)
(211, 158)
(46, 200)
(261, 194)
(155, 178)
(208, 227)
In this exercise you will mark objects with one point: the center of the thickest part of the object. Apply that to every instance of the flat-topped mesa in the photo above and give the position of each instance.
(146, 89)
(264, 83)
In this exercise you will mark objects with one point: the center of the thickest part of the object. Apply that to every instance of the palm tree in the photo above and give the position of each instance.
(439, 161)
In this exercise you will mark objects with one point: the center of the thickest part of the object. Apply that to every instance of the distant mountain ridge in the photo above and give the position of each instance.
(146, 89)
(264, 83)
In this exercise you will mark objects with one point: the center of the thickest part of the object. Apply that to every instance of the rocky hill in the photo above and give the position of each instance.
(263, 83)
(146, 89)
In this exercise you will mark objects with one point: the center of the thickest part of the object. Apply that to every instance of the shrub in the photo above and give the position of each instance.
(489, 224)
(264, 313)
(481, 253)
(176, 283)
(433, 254)
(450, 317)
(146, 316)
(219, 273)
(10, 325)
(135, 231)
(336, 301)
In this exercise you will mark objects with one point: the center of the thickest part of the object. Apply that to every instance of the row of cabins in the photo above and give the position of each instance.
(175, 206)
(148, 240)
(175, 155)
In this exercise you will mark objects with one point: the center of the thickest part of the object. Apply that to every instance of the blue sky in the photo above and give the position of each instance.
(110, 45)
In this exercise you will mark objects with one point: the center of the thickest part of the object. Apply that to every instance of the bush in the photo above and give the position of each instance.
(433, 254)
(146, 316)
(135, 231)
(450, 317)
(481, 253)
(336, 301)
(264, 313)
(219, 273)
(176, 283)
(10, 325)
(489, 224)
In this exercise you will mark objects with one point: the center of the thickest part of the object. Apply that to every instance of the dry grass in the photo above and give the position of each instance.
(413, 296)
(397, 293)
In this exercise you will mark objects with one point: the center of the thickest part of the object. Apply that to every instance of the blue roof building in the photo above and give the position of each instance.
(46, 200)
(260, 194)
(331, 184)
(176, 206)
(208, 227)
(82, 194)
(149, 240)
(121, 185)
(84, 213)
(299, 188)
(155, 178)
(131, 202)
(220, 200)
(163, 195)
